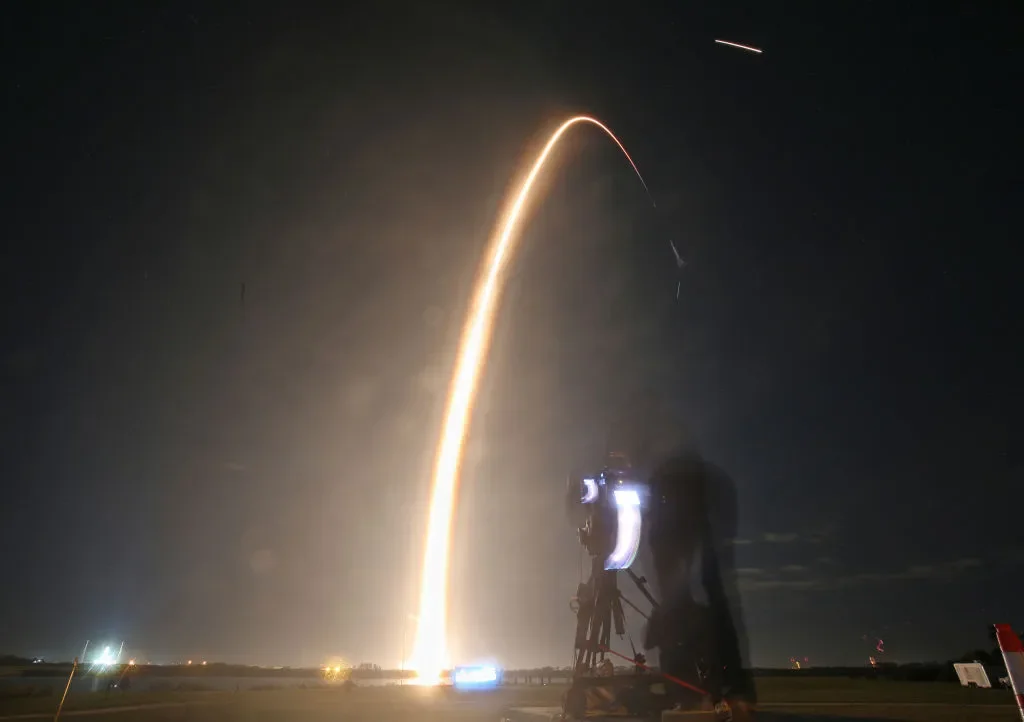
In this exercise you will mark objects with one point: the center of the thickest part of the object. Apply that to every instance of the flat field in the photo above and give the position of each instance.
(781, 700)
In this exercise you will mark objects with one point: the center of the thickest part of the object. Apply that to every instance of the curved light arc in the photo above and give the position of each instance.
(430, 650)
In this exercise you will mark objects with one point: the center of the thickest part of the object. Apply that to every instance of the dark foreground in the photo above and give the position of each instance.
(799, 701)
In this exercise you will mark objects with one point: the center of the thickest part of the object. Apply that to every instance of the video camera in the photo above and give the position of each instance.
(612, 501)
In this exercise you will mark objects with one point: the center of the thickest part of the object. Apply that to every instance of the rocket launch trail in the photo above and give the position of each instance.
(430, 651)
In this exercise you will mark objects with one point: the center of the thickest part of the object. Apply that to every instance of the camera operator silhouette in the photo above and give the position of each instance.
(690, 524)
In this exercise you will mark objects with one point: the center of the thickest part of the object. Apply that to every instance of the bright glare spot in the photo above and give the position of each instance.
(421, 680)
(105, 658)
(627, 543)
(627, 497)
(475, 676)
(190, 661)
(131, 662)
(336, 670)
(442, 678)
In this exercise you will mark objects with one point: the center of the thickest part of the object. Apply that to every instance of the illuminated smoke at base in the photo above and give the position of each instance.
(430, 651)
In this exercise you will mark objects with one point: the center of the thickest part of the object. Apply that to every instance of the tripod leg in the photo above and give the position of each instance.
(618, 616)
(641, 584)
(584, 620)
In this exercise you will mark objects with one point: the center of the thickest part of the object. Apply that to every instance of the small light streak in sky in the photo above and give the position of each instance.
(741, 47)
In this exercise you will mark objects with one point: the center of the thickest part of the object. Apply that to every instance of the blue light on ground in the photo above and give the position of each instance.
(477, 677)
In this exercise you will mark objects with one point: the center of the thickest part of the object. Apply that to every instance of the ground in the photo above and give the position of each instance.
(783, 700)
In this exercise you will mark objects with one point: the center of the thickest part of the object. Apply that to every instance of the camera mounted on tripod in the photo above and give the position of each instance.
(612, 501)
(610, 505)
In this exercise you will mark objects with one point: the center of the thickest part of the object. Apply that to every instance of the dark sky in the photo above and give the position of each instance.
(207, 476)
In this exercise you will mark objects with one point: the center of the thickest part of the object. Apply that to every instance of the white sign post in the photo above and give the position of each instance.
(972, 674)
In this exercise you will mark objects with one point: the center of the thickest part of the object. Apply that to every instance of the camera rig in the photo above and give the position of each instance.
(612, 502)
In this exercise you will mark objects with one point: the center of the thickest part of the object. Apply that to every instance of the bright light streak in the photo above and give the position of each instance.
(741, 47)
(627, 542)
(430, 650)
(626, 497)
(591, 495)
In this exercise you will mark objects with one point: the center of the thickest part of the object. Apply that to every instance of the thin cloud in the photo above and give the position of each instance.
(817, 536)
(947, 570)
(785, 578)
(1014, 556)
(760, 585)
(969, 563)
(751, 571)
(776, 538)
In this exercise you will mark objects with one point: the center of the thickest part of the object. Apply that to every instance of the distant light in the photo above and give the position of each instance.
(131, 662)
(741, 47)
(190, 661)
(336, 670)
(105, 658)
(475, 677)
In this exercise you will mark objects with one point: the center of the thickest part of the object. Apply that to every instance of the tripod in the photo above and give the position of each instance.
(598, 607)
(599, 612)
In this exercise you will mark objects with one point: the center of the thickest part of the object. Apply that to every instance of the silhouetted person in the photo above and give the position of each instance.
(691, 524)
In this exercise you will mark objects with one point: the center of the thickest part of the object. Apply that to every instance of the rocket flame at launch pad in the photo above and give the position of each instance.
(430, 651)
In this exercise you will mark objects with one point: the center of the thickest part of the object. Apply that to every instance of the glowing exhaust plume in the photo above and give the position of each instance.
(430, 653)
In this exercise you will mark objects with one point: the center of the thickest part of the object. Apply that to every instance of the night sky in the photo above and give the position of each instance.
(242, 476)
